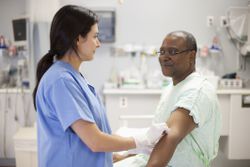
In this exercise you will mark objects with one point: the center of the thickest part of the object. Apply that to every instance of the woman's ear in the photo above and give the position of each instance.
(77, 41)
(81, 39)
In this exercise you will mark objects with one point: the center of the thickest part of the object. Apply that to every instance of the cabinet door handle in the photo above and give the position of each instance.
(9, 103)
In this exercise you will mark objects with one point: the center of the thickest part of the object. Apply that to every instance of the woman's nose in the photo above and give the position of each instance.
(98, 43)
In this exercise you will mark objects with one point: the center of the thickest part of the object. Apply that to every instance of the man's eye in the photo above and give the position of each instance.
(172, 51)
(162, 52)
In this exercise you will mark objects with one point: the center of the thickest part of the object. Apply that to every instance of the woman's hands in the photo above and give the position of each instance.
(118, 157)
(151, 136)
(144, 138)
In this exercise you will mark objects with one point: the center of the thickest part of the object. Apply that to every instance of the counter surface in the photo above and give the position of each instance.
(15, 90)
(159, 91)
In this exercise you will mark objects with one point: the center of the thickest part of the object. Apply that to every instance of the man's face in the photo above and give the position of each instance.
(175, 65)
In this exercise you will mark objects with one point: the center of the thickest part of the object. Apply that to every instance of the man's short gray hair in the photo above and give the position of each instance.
(190, 40)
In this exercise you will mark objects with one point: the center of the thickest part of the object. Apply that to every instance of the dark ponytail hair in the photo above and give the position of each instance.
(68, 23)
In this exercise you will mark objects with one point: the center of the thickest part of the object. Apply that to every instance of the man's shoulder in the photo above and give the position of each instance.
(197, 88)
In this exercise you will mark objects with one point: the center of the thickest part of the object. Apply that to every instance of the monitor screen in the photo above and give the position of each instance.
(106, 26)
(20, 30)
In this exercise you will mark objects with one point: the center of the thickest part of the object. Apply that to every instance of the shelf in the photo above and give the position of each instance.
(15, 90)
(159, 91)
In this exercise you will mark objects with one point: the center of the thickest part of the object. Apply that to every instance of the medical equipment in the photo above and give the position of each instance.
(106, 25)
(137, 74)
(230, 83)
(239, 28)
(21, 31)
(129, 77)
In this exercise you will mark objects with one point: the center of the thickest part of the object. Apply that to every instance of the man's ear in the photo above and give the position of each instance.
(192, 56)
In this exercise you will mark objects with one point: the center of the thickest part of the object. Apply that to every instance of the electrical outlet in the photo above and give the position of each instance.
(210, 21)
(123, 102)
(223, 21)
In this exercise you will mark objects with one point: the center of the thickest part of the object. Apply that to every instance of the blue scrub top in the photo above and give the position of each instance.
(63, 97)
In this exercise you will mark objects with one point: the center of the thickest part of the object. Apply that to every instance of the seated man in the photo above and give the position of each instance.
(189, 105)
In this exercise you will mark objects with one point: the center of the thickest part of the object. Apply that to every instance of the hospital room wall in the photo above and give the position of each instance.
(144, 23)
(147, 22)
(10, 9)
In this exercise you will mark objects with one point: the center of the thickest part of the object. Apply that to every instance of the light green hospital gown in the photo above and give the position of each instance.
(199, 147)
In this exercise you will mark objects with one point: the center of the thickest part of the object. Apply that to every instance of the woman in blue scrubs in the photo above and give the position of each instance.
(73, 130)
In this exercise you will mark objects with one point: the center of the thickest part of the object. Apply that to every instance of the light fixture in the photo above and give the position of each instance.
(120, 2)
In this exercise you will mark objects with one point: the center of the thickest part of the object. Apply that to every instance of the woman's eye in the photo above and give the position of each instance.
(96, 36)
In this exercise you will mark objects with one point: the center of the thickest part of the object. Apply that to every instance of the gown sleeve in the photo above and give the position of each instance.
(198, 103)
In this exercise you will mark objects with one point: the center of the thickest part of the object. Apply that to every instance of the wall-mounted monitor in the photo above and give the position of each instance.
(20, 31)
(106, 25)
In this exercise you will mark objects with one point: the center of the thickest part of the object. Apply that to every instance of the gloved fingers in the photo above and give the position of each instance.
(133, 151)
(118, 157)
(155, 132)
(160, 127)
(151, 136)
(122, 153)
(147, 150)
(143, 150)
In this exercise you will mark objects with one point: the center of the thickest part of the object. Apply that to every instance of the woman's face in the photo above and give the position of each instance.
(86, 46)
